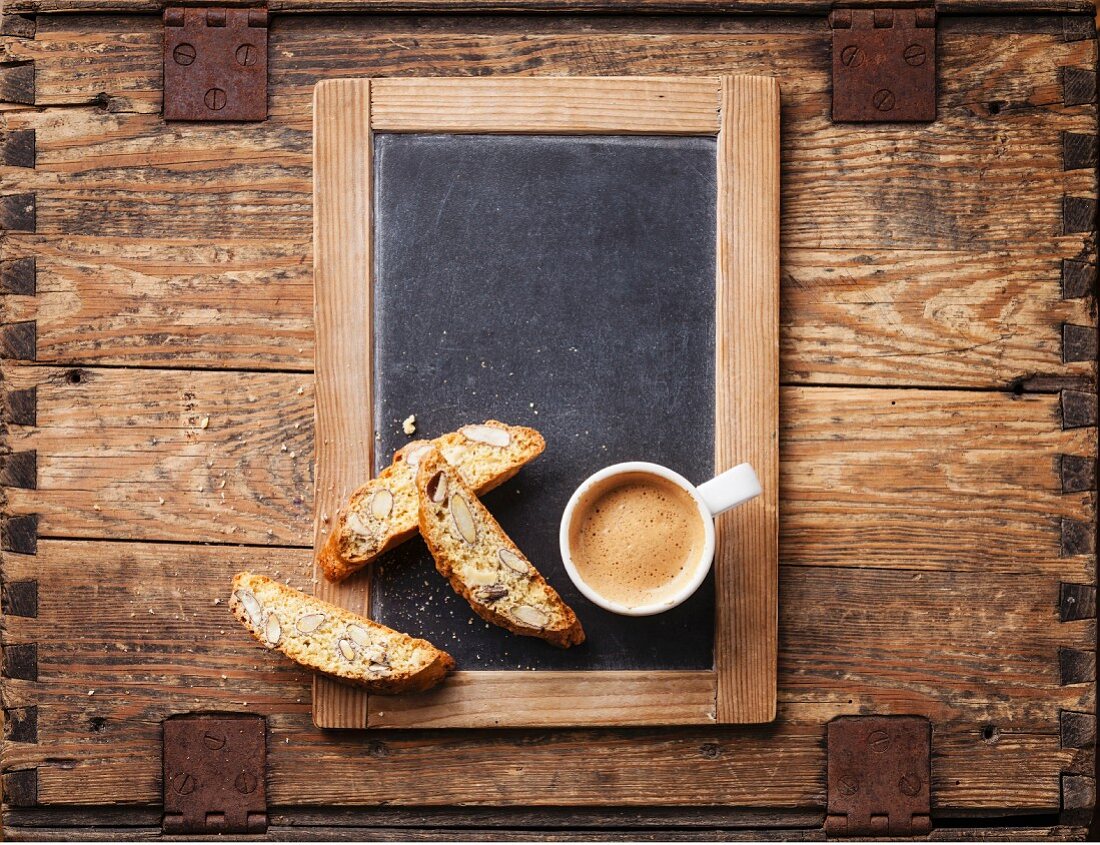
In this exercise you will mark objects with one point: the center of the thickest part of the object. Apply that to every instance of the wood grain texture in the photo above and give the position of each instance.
(746, 563)
(644, 6)
(342, 295)
(553, 699)
(881, 284)
(612, 106)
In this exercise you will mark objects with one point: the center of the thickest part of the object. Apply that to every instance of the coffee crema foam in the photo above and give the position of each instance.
(636, 538)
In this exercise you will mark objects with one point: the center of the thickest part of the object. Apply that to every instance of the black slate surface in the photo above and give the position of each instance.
(565, 283)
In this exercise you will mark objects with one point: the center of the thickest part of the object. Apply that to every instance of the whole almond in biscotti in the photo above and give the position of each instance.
(334, 641)
(483, 565)
(382, 513)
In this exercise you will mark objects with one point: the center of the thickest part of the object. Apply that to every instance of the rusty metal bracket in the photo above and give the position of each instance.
(214, 774)
(215, 64)
(884, 65)
(878, 776)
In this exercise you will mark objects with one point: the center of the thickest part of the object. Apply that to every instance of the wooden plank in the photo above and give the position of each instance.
(569, 6)
(979, 487)
(965, 648)
(342, 295)
(746, 562)
(554, 699)
(609, 105)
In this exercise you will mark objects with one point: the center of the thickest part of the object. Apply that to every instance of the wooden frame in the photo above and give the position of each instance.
(743, 112)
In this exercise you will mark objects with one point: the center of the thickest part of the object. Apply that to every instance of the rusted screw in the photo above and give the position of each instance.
(246, 55)
(852, 56)
(848, 785)
(909, 784)
(184, 54)
(879, 741)
(183, 783)
(215, 99)
(914, 55)
(883, 99)
(245, 783)
(213, 741)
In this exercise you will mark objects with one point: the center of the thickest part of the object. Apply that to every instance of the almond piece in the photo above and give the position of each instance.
(381, 504)
(463, 519)
(359, 635)
(355, 524)
(376, 654)
(413, 456)
(487, 434)
(512, 561)
(437, 487)
(309, 622)
(251, 606)
(273, 629)
(345, 649)
(531, 616)
(494, 592)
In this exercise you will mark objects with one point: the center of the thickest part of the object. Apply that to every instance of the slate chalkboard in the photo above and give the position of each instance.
(562, 282)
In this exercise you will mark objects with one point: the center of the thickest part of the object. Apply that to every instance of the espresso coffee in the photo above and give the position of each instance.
(636, 538)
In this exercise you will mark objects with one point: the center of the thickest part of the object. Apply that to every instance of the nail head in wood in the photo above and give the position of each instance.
(1076, 666)
(1076, 601)
(1078, 150)
(21, 724)
(21, 788)
(1078, 730)
(1078, 408)
(1078, 86)
(1078, 279)
(1078, 215)
(1077, 472)
(20, 470)
(19, 341)
(1078, 538)
(21, 406)
(17, 148)
(1078, 343)
(1078, 27)
(20, 598)
(1078, 798)
(17, 83)
(20, 534)
(17, 26)
(21, 661)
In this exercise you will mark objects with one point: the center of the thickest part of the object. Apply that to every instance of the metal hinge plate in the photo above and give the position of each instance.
(878, 776)
(884, 65)
(215, 64)
(214, 774)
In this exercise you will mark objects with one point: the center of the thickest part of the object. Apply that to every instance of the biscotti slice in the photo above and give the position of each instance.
(334, 641)
(382, 513)
(483, 565)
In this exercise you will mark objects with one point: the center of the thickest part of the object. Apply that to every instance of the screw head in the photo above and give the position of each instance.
(910, 784)
(184, 54)
(246, 55)
(848, 785)
(914, 55)
(852, 56)
(183, 784)
(215, 99)
(879, 741)
(245, 783)
(884, 101)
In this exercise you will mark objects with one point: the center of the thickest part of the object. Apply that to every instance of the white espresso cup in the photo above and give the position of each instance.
(728, 490)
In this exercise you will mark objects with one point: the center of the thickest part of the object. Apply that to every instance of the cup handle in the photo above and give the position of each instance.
(730, 489)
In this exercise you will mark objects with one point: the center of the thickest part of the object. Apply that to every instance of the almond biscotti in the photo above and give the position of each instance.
(483, 565)
(334, 641)
(382, 514)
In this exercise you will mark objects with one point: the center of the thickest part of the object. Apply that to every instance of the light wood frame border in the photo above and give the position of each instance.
(743, 112)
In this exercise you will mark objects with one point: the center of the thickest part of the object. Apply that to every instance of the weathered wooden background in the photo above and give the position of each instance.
(938, 427)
